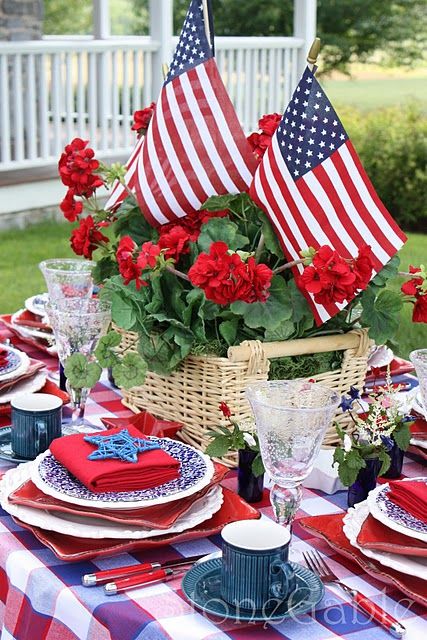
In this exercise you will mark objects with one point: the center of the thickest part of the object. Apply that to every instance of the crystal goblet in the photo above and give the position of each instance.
(419, 360)
(78, 324)
(68, 278)
(291, 418)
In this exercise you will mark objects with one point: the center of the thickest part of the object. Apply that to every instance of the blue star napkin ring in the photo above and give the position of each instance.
(120, 445)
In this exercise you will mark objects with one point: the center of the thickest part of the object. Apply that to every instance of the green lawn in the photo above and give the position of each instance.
(21, 251)
(370, 93)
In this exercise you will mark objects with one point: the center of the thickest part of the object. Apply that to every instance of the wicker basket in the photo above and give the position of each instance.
(191, 394)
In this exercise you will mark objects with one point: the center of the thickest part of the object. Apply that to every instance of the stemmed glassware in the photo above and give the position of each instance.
(68, 278)
(291, 418)
(78, 324)
(419, 360)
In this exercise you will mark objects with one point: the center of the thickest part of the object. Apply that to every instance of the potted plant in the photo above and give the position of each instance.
(184, 293)
(366, 450)
(243, 439)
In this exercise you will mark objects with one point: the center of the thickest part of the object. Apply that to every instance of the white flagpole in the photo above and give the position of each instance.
(313, 53)
(206, 21)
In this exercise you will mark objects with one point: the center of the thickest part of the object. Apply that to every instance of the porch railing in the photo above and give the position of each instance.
(54, 90)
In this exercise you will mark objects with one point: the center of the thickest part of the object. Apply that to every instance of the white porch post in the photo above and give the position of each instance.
(305, 28)
(161, 29)
(101, 19)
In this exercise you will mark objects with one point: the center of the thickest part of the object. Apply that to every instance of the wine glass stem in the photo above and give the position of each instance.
(78, 404)
(285, 502)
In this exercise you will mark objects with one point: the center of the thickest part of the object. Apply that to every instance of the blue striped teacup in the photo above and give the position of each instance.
(255, 573)
(36, 421)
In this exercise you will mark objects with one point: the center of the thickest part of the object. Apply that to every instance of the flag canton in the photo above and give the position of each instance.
(310, 130)
(193, 47)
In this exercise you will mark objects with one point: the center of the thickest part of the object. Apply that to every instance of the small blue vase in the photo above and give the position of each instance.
(250, 487)
(365, 482)
(396, 462)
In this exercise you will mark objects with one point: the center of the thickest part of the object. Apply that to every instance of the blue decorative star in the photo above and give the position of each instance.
(119, 445)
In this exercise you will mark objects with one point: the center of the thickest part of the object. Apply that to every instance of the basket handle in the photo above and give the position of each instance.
(254, 352)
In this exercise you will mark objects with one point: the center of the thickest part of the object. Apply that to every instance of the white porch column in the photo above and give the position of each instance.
(305, 28)
(101, 19)
(161, 29)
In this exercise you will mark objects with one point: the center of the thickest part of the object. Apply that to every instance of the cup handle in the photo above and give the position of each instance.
(284, 581)
(41, 436)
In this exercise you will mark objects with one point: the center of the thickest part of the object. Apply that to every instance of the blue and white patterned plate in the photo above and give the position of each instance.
(13, 360)
(196, 472)
(17, 364)
(37, 304)
(395, 517)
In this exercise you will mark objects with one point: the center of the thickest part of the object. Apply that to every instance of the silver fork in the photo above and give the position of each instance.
(316, 563)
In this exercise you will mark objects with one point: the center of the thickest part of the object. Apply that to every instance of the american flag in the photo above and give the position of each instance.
(315, 191)
(194, 146)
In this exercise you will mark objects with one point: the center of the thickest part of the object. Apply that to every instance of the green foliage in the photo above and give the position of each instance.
(304, 366)
(80, 372)
(221, 230)
(381, 313)
(392, 144)
(267, 314)
(104, 351)
(130, 371)
(349, 465)
(402, 435)
(225, 439)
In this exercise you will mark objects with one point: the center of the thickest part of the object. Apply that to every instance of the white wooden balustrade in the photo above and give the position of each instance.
(54, 90)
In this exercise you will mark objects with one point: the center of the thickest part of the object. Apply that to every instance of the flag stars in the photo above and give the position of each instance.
(299, 150)
(297, 161)
(291, 135)
(327, 108)
(296, 172)
(318, 94)
(311, 141)
(322, 144)
(324, 132)
(293, 123)
(309, 80)
(307, 165)
(317, 105)
(303, 115)
(325, 120)
(335, 122)
(331, 146)
(309, 153)
(315, 118)
(294, 112)
(342, 137)
(320, 156)
(307, 92)
(302, 127)
(305, 103)
(296, 101)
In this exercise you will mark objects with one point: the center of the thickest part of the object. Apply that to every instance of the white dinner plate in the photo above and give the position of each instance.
(81, 527)
(393, 516)
(30, 385)
(30, 332)
(410, 565)
(37, 304)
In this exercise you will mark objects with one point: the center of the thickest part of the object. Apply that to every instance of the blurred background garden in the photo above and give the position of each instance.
(374, 69)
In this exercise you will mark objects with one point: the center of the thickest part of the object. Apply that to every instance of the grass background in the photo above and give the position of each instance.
(370, 87)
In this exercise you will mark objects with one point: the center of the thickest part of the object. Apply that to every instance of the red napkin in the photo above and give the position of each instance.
(411, 496)
(375, 535)
(28, 319)
(152, 469)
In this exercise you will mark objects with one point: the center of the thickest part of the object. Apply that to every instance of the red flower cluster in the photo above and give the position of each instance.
(225, 278)
(414, 288)
(331, 278)
(174, 237)
(261, 141)
(141, 119)
(70, 207)
(131, 264)
(86, 238)
(225, 409)
(76, 166)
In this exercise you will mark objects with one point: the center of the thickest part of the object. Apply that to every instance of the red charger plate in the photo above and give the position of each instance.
(157, 517)
(329, 528)
(375, 535)
(41, 344)
(73, 549)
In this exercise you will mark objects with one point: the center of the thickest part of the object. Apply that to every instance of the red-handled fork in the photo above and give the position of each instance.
(316, 563)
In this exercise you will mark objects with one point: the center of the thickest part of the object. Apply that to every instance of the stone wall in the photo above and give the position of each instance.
(21, 19)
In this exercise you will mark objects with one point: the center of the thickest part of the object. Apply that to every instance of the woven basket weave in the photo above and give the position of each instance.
(191, 394)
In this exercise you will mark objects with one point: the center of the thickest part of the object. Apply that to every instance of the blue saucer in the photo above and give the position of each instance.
(201, 585)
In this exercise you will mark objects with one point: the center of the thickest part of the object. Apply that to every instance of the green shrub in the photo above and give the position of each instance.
(392, 144)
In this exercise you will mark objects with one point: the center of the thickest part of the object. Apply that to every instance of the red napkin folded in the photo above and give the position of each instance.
(375, 535)
(28, 319)
(411, 496)
(152, 469)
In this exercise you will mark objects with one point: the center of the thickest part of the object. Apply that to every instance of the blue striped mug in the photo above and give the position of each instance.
(255, 572)
(36, 421)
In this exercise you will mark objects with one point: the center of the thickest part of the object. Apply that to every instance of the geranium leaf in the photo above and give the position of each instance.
(402, 436)
(130, 371)
(271, 240)
(388, 271)
(258, 466)
(228, 330)
(218, 447)
(220, 229)
(269, 314)
(381, 313)
(218, 203)
(80, 373)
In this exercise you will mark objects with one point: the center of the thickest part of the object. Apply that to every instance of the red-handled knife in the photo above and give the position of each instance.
(138, 580)
(379, 615)
(108, 575)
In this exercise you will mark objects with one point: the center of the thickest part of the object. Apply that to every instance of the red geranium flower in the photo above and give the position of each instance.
(174, 239)
(148, 255)
(128, 267)
(269, 123)
(225, 278)
(86, 238)
(76, 166)
(414, 289)
(225, 409)
(141, 118)
(70, 207)
(363, 266)
(125, 249)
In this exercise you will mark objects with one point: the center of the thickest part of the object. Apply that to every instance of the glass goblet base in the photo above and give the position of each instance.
(73, 420)
(285, 502)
